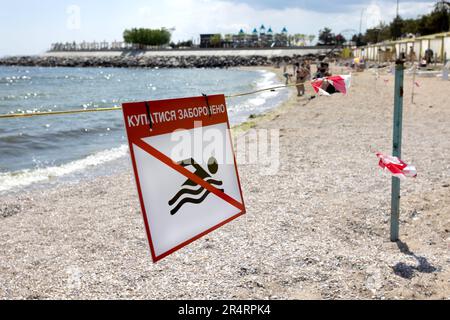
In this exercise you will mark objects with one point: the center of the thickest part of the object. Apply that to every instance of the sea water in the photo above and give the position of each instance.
(69, 147)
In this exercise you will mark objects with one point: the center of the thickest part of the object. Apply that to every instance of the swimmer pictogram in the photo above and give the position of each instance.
(191, 193)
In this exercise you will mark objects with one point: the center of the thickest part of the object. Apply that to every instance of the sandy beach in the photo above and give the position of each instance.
(318, 229)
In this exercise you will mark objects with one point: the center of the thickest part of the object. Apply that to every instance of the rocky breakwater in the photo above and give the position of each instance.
(130, 61)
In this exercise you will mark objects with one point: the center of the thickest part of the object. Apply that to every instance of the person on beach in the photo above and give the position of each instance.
(308, 67)
(302, 75)
(423, 63)
(322, 71)
(429, 54)
(286, 74)
(295, 67)
(412, 55)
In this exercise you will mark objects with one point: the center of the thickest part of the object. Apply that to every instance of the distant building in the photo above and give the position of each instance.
(262, 30)
(254, 38)
(264, 38)
(257, 38)
(282, 39)
(205, 40)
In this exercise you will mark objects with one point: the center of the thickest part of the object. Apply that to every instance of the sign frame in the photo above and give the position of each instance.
(148, 108)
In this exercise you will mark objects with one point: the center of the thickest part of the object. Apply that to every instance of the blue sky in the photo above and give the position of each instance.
(29, 27)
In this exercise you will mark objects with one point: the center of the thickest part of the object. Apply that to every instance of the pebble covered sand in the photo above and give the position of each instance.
(317, 229)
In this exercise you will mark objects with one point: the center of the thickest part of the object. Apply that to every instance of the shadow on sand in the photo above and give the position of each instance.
(407, 271)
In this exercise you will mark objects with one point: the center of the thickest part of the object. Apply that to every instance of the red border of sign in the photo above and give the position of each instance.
(156, 258)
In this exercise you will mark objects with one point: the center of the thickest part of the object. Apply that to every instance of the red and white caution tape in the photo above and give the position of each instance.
(333, 84)
(396, 166)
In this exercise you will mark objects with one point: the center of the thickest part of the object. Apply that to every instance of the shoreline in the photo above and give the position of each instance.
(318, 229)
(259, 119)
(75, 175)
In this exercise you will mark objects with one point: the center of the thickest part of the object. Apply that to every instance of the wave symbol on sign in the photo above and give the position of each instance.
(178, 201)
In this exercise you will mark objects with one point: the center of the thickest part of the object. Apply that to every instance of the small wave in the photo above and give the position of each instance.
(24, 178)
(65, 77)
(25, 96)
(268, 79)
(53, 136)
(14, 79)
(257, 102)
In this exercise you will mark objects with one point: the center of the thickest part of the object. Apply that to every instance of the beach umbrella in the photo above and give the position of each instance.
(333, 84)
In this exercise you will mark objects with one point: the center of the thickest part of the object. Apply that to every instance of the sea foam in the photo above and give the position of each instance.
(24, 178)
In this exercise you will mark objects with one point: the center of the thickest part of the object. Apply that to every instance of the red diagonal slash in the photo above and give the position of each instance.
(185, 172)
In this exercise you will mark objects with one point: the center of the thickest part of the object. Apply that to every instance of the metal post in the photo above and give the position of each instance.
(397, 145)
(413, 83)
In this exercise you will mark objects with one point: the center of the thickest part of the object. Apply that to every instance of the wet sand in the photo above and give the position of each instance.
(319, 228)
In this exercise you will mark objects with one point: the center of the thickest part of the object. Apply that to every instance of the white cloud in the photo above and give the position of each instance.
(382, 11)
(190, 18)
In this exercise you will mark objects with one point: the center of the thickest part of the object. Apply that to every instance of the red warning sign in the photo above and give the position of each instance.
(185, 169)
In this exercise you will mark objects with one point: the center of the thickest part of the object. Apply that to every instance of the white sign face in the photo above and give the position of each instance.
(187, 180)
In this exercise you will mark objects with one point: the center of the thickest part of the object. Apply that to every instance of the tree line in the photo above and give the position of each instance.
(435, 22)
(438, 20)
(328, 38)
(147, 37)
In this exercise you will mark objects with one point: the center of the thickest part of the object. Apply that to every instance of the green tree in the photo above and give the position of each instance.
(435, 22)
(216, 40)
(378, 34)
(187, 43)
(326, 37)
(396, 27)
(410, 26)
(181, 44)
(359, 39)
(340, 39)
(147, 37)
(440, 17)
